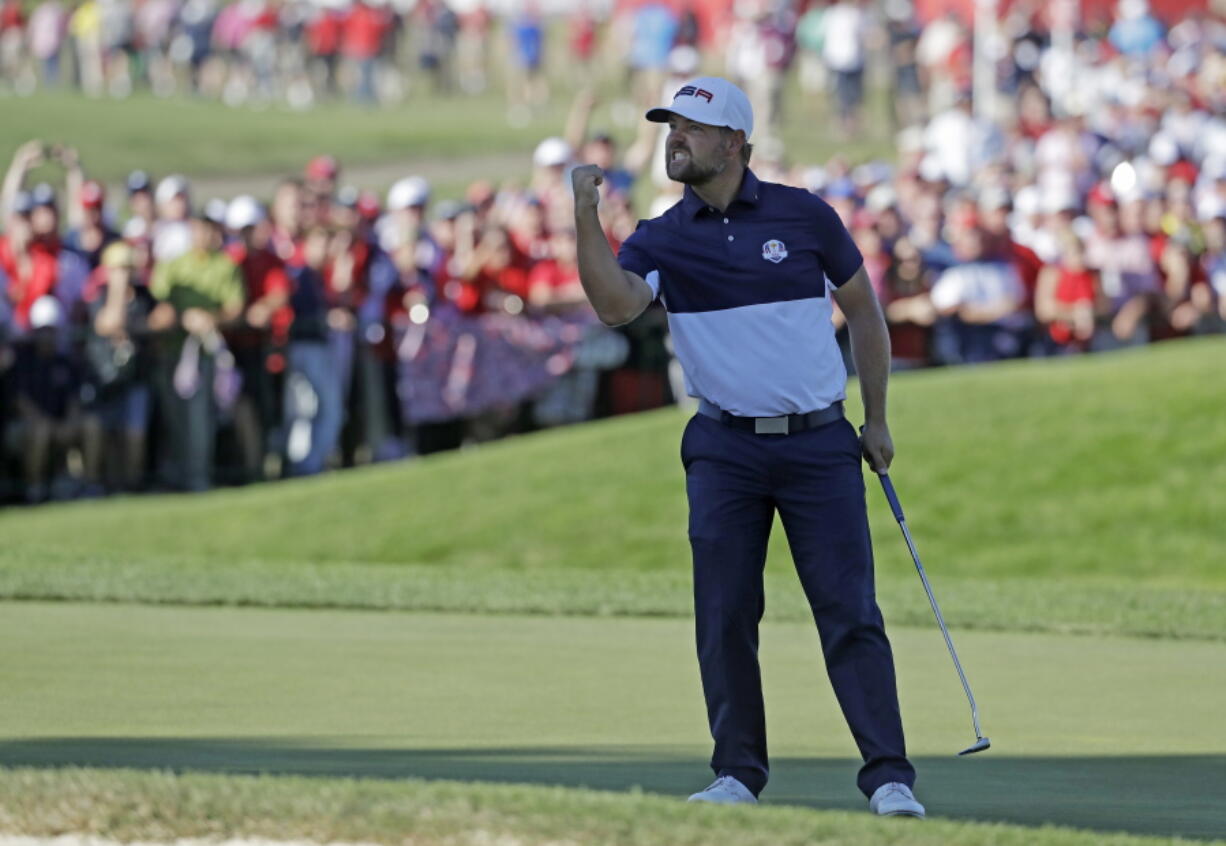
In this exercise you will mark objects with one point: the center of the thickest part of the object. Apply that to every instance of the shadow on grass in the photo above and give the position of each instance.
(1155, 795)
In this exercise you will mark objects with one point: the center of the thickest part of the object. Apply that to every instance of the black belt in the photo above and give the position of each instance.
(788, 424)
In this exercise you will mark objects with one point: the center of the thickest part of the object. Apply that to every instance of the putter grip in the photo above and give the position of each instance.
(895, 505)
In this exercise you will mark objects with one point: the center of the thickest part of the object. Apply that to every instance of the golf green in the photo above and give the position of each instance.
(1094, 732)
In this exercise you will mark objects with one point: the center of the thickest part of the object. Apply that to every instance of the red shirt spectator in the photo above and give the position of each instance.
(365, 29)
(32, 269)
(264, 275)
(11, 15)
(324, 32)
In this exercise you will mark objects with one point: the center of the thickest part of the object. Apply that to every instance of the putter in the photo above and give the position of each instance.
(981, 742)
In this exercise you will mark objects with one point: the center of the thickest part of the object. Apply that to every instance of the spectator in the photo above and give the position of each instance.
(1119, 253)
(265, 319)
(48, 26)
(197, 291)
(140, 197)
(92, 235)
(313, 401)
(117, 357)
(527, 86)
(172, 231)
(48, 401)
(980, 301)
(844, 48)
(1066, 301)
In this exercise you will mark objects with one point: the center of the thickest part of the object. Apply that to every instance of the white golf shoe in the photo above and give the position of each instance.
(726, 790)
(895, 799)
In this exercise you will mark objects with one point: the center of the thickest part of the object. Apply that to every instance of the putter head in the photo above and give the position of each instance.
(980, 745)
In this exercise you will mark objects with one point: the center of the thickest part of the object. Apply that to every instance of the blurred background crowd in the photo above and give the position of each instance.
(1056, 184)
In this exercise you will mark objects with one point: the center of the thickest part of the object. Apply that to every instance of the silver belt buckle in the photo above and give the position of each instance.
(770, 425)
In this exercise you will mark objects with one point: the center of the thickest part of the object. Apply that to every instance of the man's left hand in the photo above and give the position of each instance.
(877, 446)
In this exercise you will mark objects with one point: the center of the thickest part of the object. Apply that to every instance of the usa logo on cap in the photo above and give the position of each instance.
(774, 251)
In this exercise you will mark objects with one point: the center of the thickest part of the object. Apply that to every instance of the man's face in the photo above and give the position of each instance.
(696, 152)
(141, 204)
(45, 221)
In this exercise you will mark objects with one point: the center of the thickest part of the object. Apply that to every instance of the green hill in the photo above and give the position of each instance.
(1081, 493)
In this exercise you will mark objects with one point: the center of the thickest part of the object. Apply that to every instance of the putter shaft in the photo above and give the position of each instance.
(981, 742)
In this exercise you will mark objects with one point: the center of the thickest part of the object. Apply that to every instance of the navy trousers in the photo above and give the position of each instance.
(735, 479)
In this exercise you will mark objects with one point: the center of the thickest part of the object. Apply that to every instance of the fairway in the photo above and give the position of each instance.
(1112, 734)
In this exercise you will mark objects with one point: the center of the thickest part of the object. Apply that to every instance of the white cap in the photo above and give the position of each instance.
(45, 312)
(880, 198)
(1027, 202)
(1164, 149)
(171, 187)
(993, 198)
(552, 152)
(243, 211)
(214, 211)
(135, 229)
(407, 193)
(711, 100)
(1057, 200)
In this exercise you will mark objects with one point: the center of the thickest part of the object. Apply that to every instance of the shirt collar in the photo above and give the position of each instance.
(748, 193)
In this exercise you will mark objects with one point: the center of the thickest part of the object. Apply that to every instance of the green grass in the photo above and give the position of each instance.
(204, 138)
(1075, 495)
(1103, 733)
(161, 806)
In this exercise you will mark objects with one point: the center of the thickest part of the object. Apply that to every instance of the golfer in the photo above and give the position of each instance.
(746, 270)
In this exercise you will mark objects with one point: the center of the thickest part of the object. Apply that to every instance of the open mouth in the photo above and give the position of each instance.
(679, 155)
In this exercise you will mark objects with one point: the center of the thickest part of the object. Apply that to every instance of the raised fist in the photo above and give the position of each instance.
(585, 179)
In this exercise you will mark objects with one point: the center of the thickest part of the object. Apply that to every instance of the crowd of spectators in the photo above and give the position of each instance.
(224, 342)
(1079, 205)
(290, 51)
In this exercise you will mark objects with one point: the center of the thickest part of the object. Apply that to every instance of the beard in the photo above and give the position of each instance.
(690, 172)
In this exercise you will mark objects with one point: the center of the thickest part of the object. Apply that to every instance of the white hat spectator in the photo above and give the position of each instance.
(136, 229)
(407, 193)
(930, 169)
(46, 312)
(1210, 207)
(1026, 201)
(552, 152)
(993, 198)
(243, 211)
(215, 211)
(175, 185)
(684, 60)
(815, 179)
(711, 100)
(1164, 149)
(880, 198)
(1057, 200)
(1214, 168)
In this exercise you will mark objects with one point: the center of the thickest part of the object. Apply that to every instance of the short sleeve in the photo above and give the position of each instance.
(634, 257)
(840, 256)
(233, 293)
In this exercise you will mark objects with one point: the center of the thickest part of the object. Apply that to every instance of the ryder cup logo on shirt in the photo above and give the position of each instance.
(774, 250)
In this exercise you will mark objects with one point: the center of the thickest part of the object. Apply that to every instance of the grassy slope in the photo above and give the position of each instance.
(1095, 732)
(1041, 495)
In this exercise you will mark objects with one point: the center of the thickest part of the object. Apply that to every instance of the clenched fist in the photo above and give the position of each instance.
(585, 179)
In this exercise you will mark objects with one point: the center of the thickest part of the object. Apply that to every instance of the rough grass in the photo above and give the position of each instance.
(163, 806)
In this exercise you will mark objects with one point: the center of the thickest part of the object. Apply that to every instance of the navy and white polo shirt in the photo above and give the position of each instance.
(747, 295)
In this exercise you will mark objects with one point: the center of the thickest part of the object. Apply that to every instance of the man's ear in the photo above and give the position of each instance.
(737, 139)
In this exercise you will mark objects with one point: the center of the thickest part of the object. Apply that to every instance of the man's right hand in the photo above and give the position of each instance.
(585, 180)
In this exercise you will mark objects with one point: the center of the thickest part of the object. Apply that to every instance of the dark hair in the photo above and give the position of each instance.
(746, 148)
